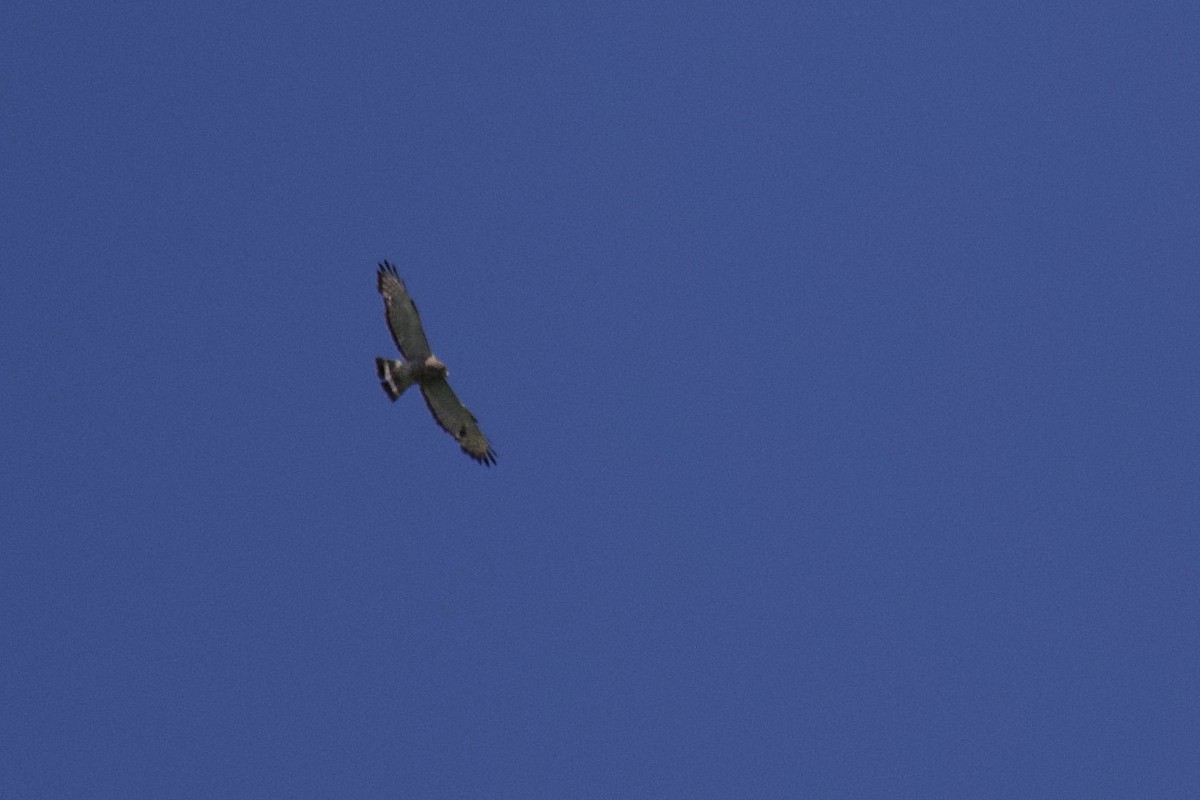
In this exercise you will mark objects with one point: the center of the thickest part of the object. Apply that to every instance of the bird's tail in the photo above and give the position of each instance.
(394, 376)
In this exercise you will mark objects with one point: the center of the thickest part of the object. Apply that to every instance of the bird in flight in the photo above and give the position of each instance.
(422, 367)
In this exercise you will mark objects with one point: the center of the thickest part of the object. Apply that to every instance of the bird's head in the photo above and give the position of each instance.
(434, 364)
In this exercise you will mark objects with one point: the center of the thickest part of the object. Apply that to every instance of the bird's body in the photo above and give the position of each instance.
(396, 376)
(423, 368)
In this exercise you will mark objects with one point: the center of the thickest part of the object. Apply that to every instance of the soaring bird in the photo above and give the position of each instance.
(422, 367)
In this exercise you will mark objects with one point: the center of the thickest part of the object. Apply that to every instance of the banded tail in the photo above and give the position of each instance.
(394, 376)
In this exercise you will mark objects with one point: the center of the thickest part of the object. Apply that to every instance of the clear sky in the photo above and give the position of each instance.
(841, 359)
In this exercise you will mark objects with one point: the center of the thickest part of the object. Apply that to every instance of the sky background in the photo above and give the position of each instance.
(841, 359)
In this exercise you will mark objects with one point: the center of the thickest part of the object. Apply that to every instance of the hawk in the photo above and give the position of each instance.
(422, 367)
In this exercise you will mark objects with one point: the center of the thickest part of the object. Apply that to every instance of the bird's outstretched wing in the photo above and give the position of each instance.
(457, 420)
(402, 318)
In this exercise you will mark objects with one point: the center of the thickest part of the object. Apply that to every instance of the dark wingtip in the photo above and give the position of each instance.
(488, 458)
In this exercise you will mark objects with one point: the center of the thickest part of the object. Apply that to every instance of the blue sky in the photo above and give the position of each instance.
(841, 359)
